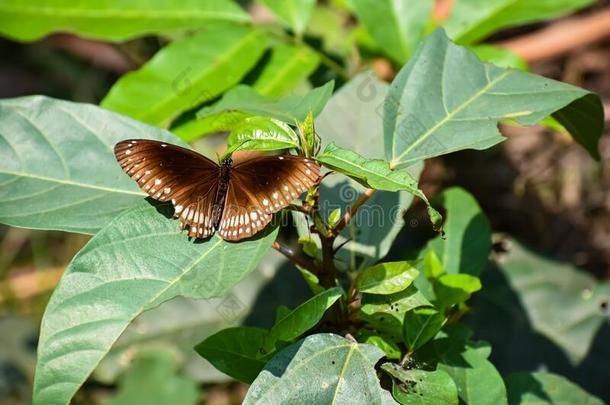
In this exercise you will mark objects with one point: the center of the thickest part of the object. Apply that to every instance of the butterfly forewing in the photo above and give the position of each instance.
(260, 187)
(170, 173)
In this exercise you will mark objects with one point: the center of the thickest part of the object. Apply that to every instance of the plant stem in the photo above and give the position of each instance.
(352, 211)
(295, 257)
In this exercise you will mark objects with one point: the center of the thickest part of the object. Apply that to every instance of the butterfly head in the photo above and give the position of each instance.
(227, 162)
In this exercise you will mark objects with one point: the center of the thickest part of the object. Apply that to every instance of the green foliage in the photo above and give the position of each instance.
(421, 387)
(252, 81)
(261, 133)
(386, 278)
(321, 369)
(114, 21)
(396, 25)
(420, 325)
(236, 352)
(152, 379)
(472, 20)
(294, 14)
(187, 72)
(138, 261)
(469, 99)
(546, 388)
(57, 169)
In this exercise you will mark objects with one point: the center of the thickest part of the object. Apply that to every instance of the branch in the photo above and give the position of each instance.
(352, 211)
(561, 37)
(295, 257)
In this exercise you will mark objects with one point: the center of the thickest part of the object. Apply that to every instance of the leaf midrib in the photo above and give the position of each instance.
(397, 160)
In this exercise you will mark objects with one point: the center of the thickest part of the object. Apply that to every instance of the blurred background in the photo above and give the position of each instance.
(547, 201)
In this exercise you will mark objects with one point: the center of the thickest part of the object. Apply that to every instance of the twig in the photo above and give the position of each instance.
(352, 211)
(299, 208)
(295, 257)
(561, 37)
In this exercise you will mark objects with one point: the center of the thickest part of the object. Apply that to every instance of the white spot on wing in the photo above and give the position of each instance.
(265, 202)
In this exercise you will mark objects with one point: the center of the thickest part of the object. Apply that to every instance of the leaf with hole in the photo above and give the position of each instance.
(420, 386)
(321, 369)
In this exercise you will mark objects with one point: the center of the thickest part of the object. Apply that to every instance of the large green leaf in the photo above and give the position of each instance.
(292, 324)
(152, 379)
(187, 72)
(288, 67)
(453, 289)
(235, 351)
(472, 20)
(57, 168)
(353, 119)
(321, 369)
(289, 109)
(446, 100)
(396, 25)
(138, 261)
(421, 387)
(293, 13)
(541, 388)
(466, 244)
(562, 302)
(478, 381)
(386, 278)
(111, 20)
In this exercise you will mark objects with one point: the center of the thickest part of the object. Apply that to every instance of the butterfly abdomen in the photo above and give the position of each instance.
(223, 185)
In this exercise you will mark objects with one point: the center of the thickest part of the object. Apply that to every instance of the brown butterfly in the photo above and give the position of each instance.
(236, 200)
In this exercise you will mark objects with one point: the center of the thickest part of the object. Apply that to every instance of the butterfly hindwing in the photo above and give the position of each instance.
(260, 187)
(170, 173)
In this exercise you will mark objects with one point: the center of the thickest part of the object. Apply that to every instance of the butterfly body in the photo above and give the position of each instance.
(237, 201)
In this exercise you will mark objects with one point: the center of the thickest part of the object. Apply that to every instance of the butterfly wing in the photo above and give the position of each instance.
(260, 187)
(170, 173)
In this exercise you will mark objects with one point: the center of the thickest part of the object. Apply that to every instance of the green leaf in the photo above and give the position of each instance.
(353, 119)
(289, 109)
(396, 25)
(312, 280)
(302, 318)
(374, 173)
(421, 387)
(138, 261)
(499, 56)
(389, 347)
(187, 72)
(288, 67)
(293, 13)
(472, 20)
(152, 379)
(261, 133)
(235, 351)
(446, 100)
(420, 325)
(115, 20)
(334, 217)
(453, 289)
(57, 166)
(385, 313)
(478, 381)
(387, 278)
(466, 245)
(196, 128)
(309, 141)
(562, 302)
(321, 369)
(541, 388)
(433, 267)
(309, 246)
